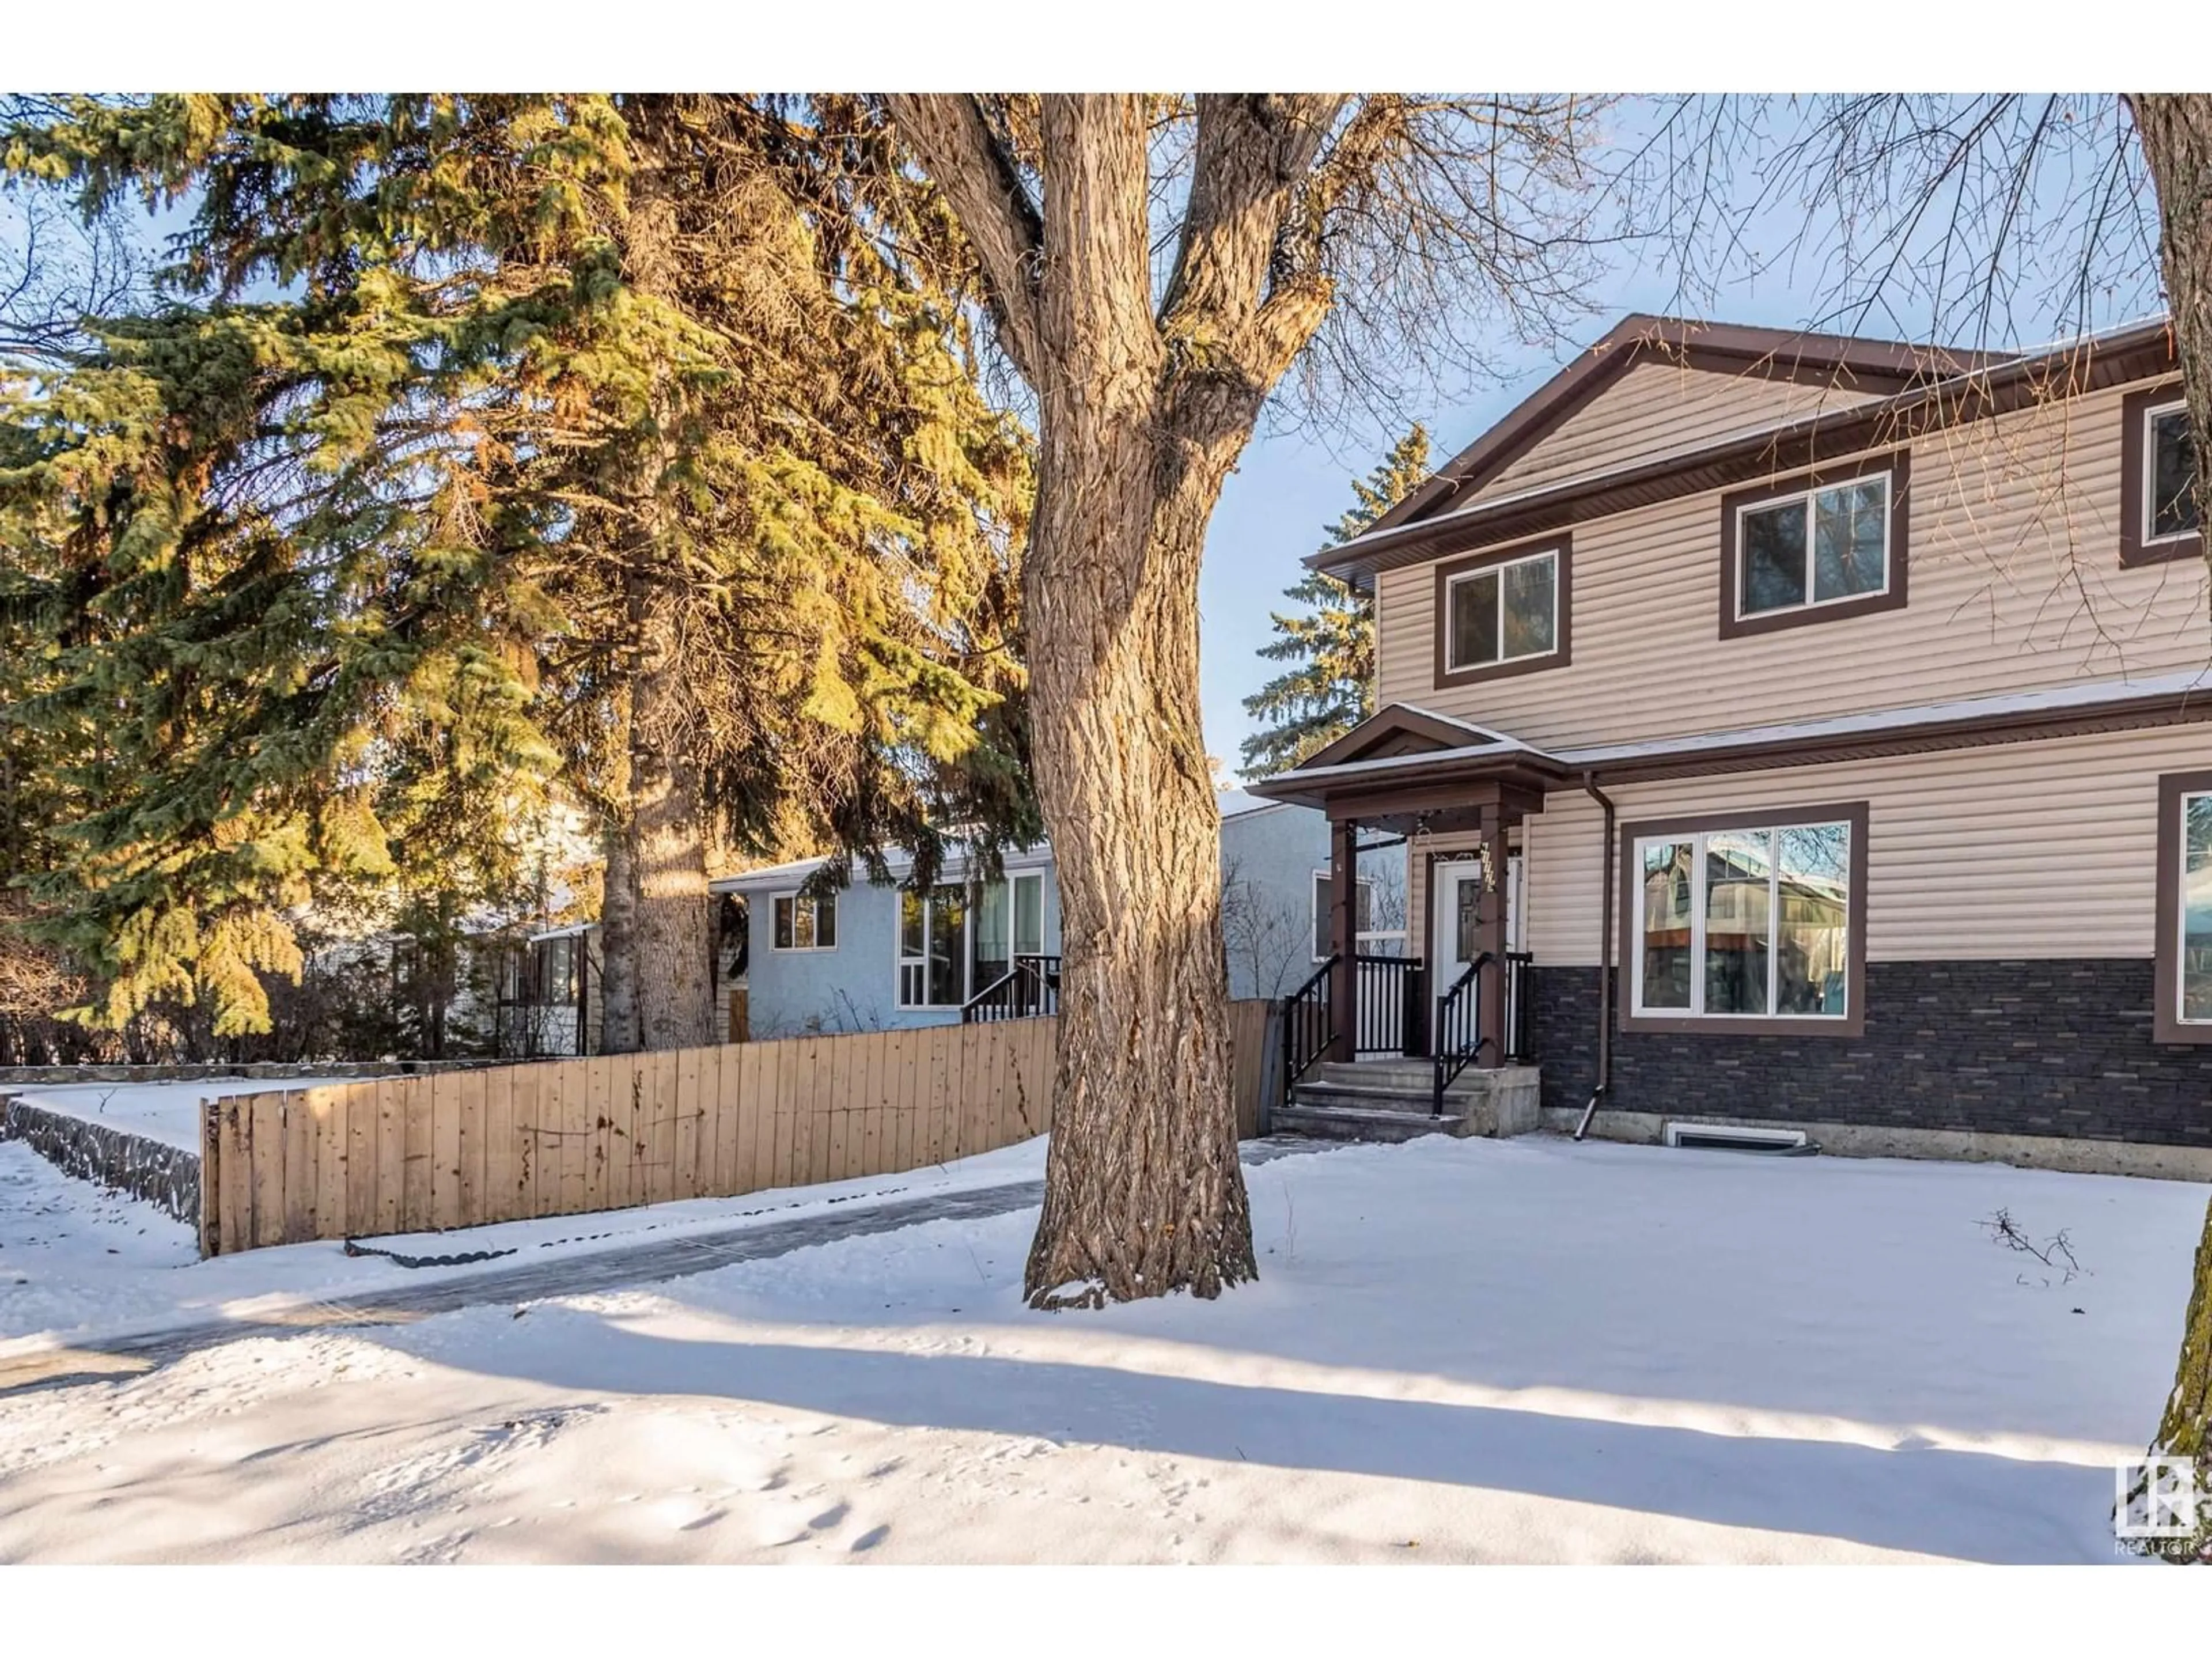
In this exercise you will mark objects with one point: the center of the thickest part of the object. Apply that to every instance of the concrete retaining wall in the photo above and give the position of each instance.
(151, 1170)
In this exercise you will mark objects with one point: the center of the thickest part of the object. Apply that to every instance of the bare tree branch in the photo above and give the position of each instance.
(980, 177)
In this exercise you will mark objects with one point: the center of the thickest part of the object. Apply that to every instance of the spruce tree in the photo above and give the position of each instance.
(625, 445)
(1330, 639)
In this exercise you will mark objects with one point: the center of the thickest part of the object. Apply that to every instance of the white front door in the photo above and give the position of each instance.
(1458, 903)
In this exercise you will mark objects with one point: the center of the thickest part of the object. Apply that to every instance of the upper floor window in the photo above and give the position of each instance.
(2169, 474)
(1827, 546)
(806, 924)
(2183, 975)
(1503, 612)
(2158, 478)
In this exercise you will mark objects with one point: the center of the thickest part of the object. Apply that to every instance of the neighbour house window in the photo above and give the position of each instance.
(1363, 918)
(1734, 920)
(1824, 546)
(2184, 977)
(2158, 478)
(1503, 612)
(1009, 923)
(806, 924)
(956, 939)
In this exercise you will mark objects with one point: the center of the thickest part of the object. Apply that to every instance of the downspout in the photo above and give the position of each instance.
(1604, 958)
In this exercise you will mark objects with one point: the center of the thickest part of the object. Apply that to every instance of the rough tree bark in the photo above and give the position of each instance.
(617, 986)
(657, 913)
(1142, 414)
(2176, 131)
(672, 936)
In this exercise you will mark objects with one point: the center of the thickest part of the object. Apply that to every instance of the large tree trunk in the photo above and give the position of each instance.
(617, 986)
(1143, 1192)
(669, 947)
(2176, 130)
(674, 923)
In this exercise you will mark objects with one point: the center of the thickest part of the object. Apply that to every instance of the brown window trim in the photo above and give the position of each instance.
(2166, 975)
(2133, 408)
(1898, 465)
(1852, 1025)
(1562, 653)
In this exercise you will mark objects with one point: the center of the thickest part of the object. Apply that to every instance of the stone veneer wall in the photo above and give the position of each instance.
(2059, 1047)
(151, 1170)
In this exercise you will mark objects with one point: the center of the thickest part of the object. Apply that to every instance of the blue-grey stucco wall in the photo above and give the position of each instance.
(1267, 857)
(854, 987)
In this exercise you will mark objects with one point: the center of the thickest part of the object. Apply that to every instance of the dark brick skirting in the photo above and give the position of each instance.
(1998, 1047)
(152, 1169)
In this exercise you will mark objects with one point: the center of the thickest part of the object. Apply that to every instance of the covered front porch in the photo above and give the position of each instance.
(1421, 1024)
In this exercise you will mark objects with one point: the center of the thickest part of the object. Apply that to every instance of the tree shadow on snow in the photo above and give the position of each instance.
(1968, 1505)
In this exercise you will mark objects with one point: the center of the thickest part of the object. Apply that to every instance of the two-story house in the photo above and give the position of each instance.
(1833, 709)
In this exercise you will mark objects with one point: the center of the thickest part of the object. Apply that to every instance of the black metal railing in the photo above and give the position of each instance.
(1388, 990)
(1310, 1021)
(1519, 1050)
(1028, 988)
(1456, 1033)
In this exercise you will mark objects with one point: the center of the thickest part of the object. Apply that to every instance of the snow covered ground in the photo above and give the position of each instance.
(1524, 1350)
(167, 1112)
(78, 1265)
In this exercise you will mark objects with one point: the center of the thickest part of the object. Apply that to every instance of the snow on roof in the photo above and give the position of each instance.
(1935, 392)
(1237, 802)
(2054, 699)
(1499, 747)
(897, 858)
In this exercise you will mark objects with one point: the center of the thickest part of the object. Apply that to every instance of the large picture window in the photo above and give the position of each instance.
(956, 939)
(2158, 478)
(2183, 976)
(1820, 548)
(1754, 921)
(1502, 611)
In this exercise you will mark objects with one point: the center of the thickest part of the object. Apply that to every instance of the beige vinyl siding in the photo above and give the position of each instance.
(1656, 410)
(2014, 584)
(2021, 850)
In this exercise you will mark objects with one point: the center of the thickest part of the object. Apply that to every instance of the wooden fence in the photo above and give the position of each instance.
(457, 1149)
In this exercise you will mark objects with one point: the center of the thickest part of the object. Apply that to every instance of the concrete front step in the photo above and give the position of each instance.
(1363, 1123)
(1391, 1101)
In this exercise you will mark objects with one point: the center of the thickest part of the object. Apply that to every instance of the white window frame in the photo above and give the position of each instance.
(797, 899)
(1769, 503)
(1454, 664)
(2181, 908)
(1698, 840)
(900, 961)
(2148, 508)
(1321, 874)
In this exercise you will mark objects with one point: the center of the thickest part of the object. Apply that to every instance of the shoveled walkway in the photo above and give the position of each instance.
(573, 1275)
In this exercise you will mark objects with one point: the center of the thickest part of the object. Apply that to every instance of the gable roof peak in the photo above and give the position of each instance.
(1860, 362)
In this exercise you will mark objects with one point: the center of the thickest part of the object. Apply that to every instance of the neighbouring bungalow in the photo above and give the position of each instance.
(869, 956)
(791, 960)
(1794, 732)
